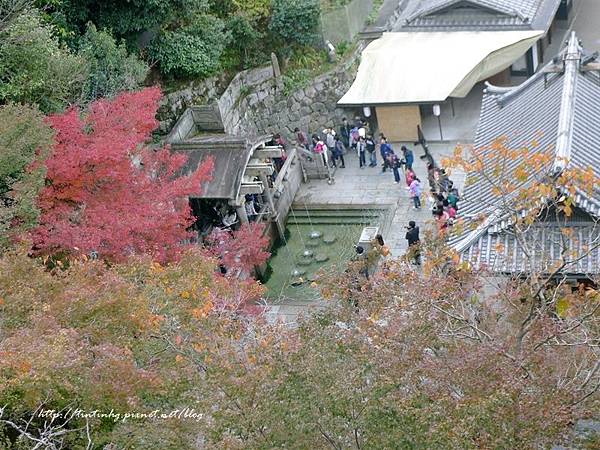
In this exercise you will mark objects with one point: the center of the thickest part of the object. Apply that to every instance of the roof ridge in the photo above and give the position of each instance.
(440, 5)
(572, 60)
(504, 94)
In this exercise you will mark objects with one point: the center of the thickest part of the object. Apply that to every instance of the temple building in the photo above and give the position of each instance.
(253, 179)
(440, 49)
(559, 107)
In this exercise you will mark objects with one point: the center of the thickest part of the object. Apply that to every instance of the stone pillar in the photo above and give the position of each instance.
(275, 63)
(276, 71)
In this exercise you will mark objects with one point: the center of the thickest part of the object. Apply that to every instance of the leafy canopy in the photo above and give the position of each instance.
(193, 50)
(107, 192)
(125, 19)
(36, 68)
(112, 69)
(296, 22)
(25, 141)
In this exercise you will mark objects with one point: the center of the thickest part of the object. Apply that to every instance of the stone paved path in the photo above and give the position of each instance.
(355, 186)
(369, 186)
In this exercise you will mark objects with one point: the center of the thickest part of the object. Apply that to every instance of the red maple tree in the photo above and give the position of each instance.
(107, 191)
(241, 250)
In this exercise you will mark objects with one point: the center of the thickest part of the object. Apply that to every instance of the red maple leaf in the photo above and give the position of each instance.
(107, 191)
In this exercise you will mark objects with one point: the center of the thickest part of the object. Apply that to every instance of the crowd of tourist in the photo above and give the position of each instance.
(331, 146)
(445, 197)
(442, 197)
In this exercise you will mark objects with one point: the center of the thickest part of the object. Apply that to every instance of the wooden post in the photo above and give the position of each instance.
(241, 212)
(268, 193)
(274, 215)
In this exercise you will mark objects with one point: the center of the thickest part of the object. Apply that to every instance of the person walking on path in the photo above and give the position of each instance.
(394, 163)
(412, 237)
(329, 136)
(441, 220)
(409, 157)
(338, 153)
(361, 148)
(320, 148)
(345, 132)
(453, 198)
(354, 137)
(431, 177)
(371, 150)
(415, 192)
(384, 149)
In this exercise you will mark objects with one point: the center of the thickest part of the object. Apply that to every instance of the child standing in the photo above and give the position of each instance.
(415, 192)
(394, 163)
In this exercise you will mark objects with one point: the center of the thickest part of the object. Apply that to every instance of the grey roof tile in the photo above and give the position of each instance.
(229, 154)
(522, 114)
(482, 15)
(502, 253)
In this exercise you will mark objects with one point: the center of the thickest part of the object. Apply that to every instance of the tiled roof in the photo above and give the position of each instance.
(229, 154)
(485, 15)
(502, 253)
(559, 107)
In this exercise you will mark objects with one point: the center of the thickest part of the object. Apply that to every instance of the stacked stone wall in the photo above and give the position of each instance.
(255, 102)
(263, 107)
(174, 104)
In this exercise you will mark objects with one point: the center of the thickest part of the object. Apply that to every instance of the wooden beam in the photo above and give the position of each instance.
(254, 170)
(255, 187)
(284, 170)
(268, 152)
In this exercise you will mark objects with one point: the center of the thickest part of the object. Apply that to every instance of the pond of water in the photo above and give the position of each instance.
(317, 239)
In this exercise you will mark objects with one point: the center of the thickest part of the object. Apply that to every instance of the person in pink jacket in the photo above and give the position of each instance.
(410, 176)
(415, 192)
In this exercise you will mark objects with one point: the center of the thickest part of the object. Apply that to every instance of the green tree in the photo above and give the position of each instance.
(193, 50)
(254, 9)
(36, 68)
(296, 22)
(125, 19)
(247, 42)
(24, 139)
(10, 9)
(112, 69)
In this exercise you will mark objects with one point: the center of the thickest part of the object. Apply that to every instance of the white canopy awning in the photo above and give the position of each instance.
(425, 67)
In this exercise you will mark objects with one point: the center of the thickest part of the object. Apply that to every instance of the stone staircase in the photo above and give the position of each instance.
(329, 216)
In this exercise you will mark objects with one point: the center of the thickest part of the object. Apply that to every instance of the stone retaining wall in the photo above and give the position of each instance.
(246, 90)
(255, 104)
(264, 108)
(173, 105)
